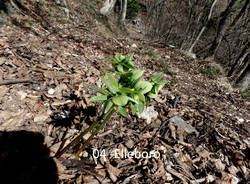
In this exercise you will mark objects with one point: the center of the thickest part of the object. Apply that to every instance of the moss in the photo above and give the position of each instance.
(246, 94)
(212, 70)
(150, 53)
(27, 22)
(166, 68)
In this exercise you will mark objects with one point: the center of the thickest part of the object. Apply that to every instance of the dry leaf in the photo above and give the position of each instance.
(41, 117)
(113, 171)
(3, 91)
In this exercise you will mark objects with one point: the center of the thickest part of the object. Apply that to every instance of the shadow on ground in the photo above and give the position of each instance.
(24, 159)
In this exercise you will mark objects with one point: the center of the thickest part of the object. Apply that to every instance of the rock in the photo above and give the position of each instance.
(239, 119)
(244, 83)
(134, 45)
(171, 46)
(183, 125)
(51, 91)
(136, 22)
(148, 114)
(21, 95)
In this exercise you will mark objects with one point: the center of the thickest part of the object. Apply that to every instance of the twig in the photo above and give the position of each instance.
(15, 81)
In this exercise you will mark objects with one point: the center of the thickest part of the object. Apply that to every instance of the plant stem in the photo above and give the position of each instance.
(77, 139)
(111, 112)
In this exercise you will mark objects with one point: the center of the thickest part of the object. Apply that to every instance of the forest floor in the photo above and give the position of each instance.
(49, 67)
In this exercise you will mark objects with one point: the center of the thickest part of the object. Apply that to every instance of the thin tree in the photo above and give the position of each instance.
(203, 28)
(221, 29)
(124, 11)
(239, 60)
(240, 14)
(107, 7)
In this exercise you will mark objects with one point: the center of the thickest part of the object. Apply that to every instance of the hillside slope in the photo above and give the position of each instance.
(49, 66)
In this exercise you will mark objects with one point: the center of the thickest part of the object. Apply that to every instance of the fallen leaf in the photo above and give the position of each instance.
(41, 117)
(3, 91)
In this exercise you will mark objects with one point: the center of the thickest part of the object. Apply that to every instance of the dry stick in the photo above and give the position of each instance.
(15, 81)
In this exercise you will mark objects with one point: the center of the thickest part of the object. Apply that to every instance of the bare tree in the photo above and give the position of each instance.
(239, 60)
(124, 11)
(240, 14)
(203, 28)
(109, 5)
(221, 29)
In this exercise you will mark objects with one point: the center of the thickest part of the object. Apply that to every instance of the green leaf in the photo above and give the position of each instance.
(126, 90)
(136, 74)
(157, 77)
(119, 68)
(121, 57)
(122, 111)
(98, 98)
(129, 58)
(103, 91)
(141, 108)
(121, 100)
(152, 95)
(132, 100)
(113, 82)
(128, 61)
(133, 108)
(136, 97)
(147, 101)
(134, 82)
(128, 66)
(110, 88)
(141, 97)
(154, 89)
(143, 86)
(117, 56)
(108, 105)
(164, 82)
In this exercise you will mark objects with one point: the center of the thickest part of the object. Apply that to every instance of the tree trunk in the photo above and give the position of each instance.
(124, 11)
(107, 7)
(203, 28)
(239, 60)
(221, 29)
(243, 9)
(243, 81)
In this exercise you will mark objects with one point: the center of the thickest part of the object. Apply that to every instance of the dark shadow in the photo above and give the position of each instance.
(24, 159)
(65, 116)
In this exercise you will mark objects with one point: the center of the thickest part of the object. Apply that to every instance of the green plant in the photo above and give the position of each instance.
(132, 9)
(125, 91)
(166, 68)
(28, 22)
(211, 71)
(152, 54)
(246, 94)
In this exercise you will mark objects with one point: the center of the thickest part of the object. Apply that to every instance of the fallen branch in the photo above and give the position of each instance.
(15, 81)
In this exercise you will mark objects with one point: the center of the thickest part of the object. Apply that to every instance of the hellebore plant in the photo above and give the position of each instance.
(125, 91)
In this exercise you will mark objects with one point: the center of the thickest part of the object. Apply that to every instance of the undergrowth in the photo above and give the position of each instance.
(246, 94)
(211, 71)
